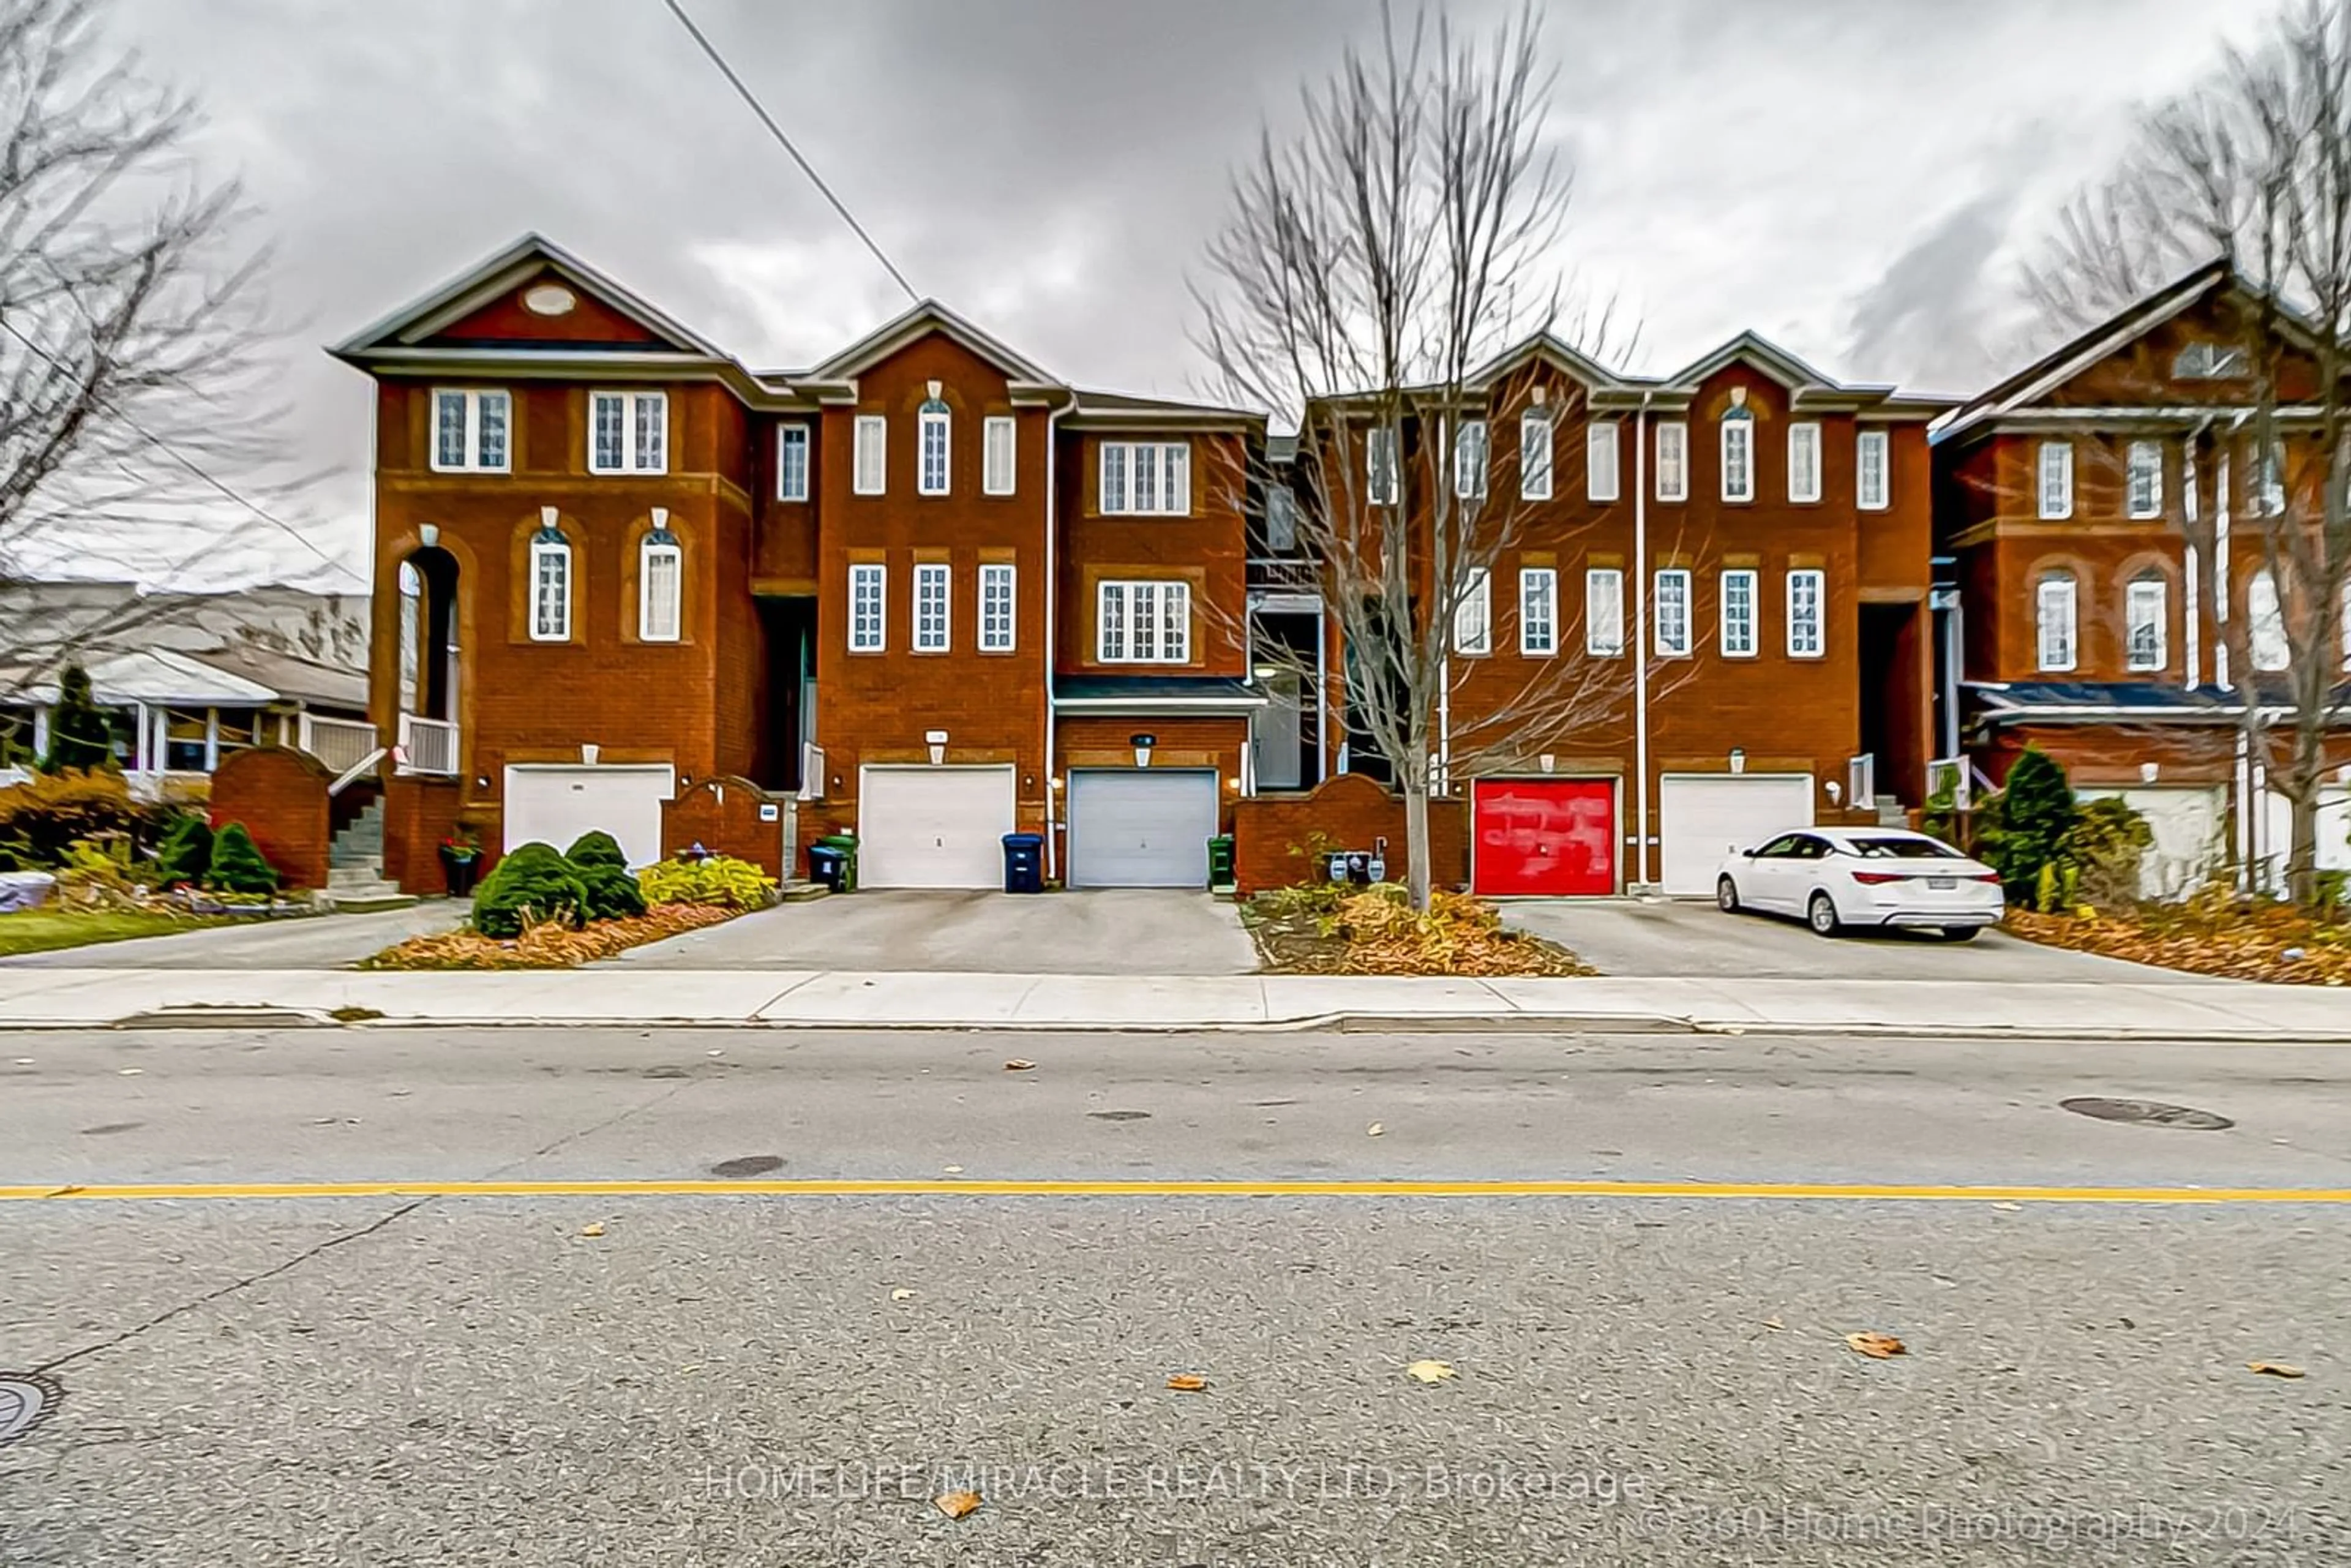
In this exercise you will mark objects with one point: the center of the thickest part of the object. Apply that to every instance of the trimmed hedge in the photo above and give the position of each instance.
(612, 893)
(596, 847)
(532, 883)
(238, 865)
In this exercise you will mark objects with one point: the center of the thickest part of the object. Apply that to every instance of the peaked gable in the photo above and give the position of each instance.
(924, 319)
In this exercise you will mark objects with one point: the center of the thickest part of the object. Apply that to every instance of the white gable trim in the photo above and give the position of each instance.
(927, 316)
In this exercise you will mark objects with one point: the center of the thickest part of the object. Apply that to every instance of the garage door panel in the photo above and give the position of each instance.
(1544, 837)
(1701, 818)
(2187, 824)
(555, 804)
(933, 827)
(1141, 827)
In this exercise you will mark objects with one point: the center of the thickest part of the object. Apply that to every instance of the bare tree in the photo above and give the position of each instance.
(2253, 165)
(127, 315)
(1371, 265)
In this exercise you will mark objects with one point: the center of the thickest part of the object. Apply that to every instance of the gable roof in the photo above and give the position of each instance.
(1765, 355)
(925, 317)
(1551, 350)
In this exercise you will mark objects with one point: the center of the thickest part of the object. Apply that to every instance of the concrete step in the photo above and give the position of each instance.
(800, 892)
(369, 903)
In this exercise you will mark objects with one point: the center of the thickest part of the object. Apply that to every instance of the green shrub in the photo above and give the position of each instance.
(81, 738)
(50, 810)
(612, 893)
(2027, 823)
(2103, 850)
(237, 863)
(596, 847)
(722, 881)
(532, 884)
(186, 852)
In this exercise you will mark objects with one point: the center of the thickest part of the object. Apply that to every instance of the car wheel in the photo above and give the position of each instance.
(1961, 933)
(1821, 913)
(1726, 897)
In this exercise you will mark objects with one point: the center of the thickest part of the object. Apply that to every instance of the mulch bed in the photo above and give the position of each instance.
(2260, 941)
(1309, 931)
(549, 947)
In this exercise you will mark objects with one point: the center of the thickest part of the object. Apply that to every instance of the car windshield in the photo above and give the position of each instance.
(1905, 849)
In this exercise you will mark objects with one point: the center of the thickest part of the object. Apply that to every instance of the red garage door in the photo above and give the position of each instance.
(1544, 836)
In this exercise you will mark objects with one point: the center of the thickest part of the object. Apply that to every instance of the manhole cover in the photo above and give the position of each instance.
(748, 1165)
(25, 1400)
(1120, 1115)
(2153, 1112)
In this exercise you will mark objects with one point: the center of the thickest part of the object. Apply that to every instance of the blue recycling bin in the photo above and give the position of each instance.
(1024, 863)
(828, 867)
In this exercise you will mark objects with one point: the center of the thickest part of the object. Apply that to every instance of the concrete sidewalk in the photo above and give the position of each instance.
(857, 999)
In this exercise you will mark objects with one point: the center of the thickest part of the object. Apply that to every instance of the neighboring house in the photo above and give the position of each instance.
(2091, 600)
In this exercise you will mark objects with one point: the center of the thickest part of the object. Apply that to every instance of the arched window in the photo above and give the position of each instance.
(2054, 616)
(2265, 624)
(412, 632)
(1739, 448)
(660, 583)
(550, 582)
(2147, 622)
(932, 479)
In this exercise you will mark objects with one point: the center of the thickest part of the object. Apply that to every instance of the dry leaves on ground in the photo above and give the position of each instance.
(901, 1294)
(1429, 1371)
(549, 947)
(1878, 1346)
(1376, 930)
(1018, 1064)
(2211, 935)
(1184, 1383)
(2274, 1368)
(956, 1504)
(591, 1229)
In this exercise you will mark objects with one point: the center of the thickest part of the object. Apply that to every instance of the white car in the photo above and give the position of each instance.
(1836, 877)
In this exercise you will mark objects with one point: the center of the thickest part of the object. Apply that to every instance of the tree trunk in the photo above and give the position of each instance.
(2302, 865)
(1415, 841)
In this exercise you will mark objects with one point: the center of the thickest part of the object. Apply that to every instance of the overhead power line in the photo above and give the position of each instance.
(678, 11)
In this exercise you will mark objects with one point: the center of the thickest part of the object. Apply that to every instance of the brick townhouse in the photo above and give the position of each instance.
(2091, 602)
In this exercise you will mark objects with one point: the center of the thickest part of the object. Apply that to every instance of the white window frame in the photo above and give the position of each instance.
(2146, 606)
(1872, 470)
(550, 622)
(784, 489)
(2267, 642)
(2054, 472)
(1808, 613)
(1740, 632)
(1738, 433)
(471, 401)
(999, 442)
(870, 454)
(1470, 460)
(2143, 469)
(2056, 623)
(995, 575)
(1163, 606)
(934, 582)
(1673, 460)
(651, 611)
(1603, 611)
(1534, 455)
(634, 429)
(1670, 619)
(1382, 471)
(1804, 463)
(1473, 613)
(2269, 483)
(1601, 449)
(1167, 464)
(873, 577)
(1538, 611)
(933, 439)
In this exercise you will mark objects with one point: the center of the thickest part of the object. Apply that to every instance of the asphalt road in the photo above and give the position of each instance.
(737, 1379)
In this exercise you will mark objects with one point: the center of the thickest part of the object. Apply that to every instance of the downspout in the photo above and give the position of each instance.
(1640, 575)
(1052, 638)
(2191, 576)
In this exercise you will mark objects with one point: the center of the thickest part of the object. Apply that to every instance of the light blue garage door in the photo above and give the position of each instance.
(1141, 827)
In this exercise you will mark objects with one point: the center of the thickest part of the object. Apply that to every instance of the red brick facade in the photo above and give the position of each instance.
(1271, 833)
(280, 798)
(731, 816)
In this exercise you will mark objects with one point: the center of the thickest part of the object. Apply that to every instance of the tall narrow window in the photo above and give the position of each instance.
(872, 459)
(660, 583)
(1538, 611)
(1739, 614)
(1469, 460)
(1473, 613)
(2269, 483)
(934, 582)
(1738, 455)
(1280, 517)
(469, 430)
(1807, 596)
(1145, 477)
(2265, 624)
(1600, 461)
(2056, 479)
(628, 433)
(1673, 612)
(1114, 477)
(867, 625)
(1804, 462)
(1603, 611)
(2146, 620)
(932, 430)
(2054, 618)
(791, 463)
(1534, 455)
(1380, 464)
(996, 624)
(2144, 471)
(1146, 463)
(649, 431)
(996, 455)
(1871, 466)
(1673, 460)
(551, 585)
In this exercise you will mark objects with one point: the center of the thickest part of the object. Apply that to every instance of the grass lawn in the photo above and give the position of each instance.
(46, 930)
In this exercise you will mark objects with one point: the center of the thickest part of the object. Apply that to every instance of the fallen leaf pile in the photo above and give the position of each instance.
(548, 946)
(1375, 931)
(2213, 935)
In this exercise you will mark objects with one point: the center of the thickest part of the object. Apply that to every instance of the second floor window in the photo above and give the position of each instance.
(2054, 621)
(2265, 624)
(2146, 618)
(1804, 462)
(932, 429)
(996, 625)
(1473, 613)
(1534, 456)
(1739, 614)
(469, 430)
(1673, 460)
(1737, 456)
(628, 433)
(2143, 477)
(1281, 519)
(1872, 461)
(1538, 611)
(1600, 461)
(1143, 623)
(2056, 479)
(1146, 478)
(1380, 467)
(660, 585)
(934, 583)
(1673, 607)
(550, 586)
(791, 463)
(868, 583)
(997, 438)
(1603, 611)
(871, 459)
(1807, 596)
(1469, 460)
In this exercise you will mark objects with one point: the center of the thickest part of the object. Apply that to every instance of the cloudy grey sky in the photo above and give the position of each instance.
(1852, 178)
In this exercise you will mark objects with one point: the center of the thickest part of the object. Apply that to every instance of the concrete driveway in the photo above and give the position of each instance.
(1688, 938)
(308, 942)
(1108, 931)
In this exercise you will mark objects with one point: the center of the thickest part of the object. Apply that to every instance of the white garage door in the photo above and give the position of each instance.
(2334, 832)
(1141, 827)
(555, 803)
(2190, 824)
(1702, 816)
(933, 827)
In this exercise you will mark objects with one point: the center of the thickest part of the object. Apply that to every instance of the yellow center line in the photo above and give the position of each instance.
(135, 1192)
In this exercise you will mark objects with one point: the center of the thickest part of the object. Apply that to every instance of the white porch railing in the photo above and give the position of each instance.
(428, 745)
(812, 772)
(339, 743)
